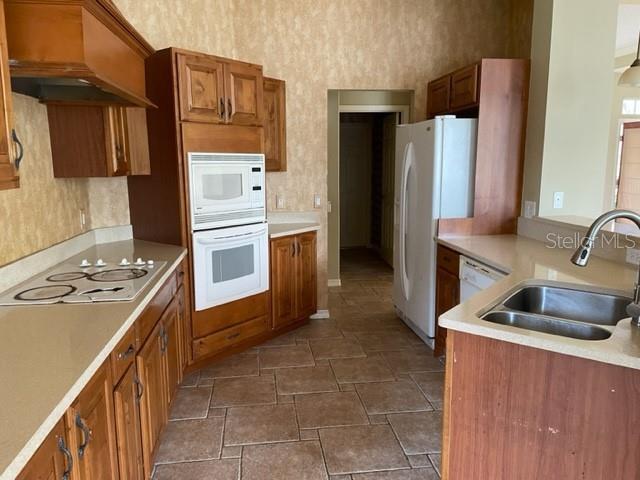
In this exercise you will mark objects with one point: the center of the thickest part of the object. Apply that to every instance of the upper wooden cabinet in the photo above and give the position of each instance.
(275, 128)
(217, 90)
(94, 141)
(438, 96)
(454, 92)
(8, 166)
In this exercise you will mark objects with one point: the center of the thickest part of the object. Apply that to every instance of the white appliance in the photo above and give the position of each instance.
(434, 178)
(475, 276)
(226, 189)
(229, 264)
(85, 282)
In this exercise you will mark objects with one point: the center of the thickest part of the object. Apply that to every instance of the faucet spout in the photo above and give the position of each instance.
(581, 256)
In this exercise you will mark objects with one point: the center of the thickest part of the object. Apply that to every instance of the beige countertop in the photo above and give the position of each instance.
(528, 261)
(284, 229)
(48, 353)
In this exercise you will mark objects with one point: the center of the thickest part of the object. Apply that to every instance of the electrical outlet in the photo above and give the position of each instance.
(279, 201)
(558, 199)
(317, 201)
(633, 256)
(83, 219)
(529, 209)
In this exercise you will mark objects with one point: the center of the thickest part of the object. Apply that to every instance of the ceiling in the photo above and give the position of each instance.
(628, 27)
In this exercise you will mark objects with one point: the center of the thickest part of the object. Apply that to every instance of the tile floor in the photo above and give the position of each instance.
(354, 397)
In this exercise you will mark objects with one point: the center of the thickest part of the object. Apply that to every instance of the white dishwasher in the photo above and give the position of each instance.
(475, 276)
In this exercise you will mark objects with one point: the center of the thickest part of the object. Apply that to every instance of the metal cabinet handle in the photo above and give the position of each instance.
(86, 435)
(129, 351)
(69, 459)
(299, 248)
(221, 108)
(139, 388)
(230, 107)
(235, 335)
(164, 339)
(293, 249)
(20, 154)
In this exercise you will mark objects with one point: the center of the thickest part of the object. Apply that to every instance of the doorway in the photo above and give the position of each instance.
(367, 164)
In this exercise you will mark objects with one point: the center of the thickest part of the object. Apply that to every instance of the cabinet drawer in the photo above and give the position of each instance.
(123, 354)
(206, 322)
(229, 337)
(151, 314)
(448, 260)
(464, 87)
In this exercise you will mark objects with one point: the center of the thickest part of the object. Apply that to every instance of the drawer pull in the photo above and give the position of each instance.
(69, 459)
(129, 351)
(86, 435)
(234, 335)
(139, 388)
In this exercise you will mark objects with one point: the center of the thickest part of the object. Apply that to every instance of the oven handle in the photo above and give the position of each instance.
(248, 235)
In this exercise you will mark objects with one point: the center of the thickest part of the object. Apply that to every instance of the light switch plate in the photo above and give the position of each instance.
(529, 209)
(317, 202)
(558, 199)
(633, 256)
(279, 201)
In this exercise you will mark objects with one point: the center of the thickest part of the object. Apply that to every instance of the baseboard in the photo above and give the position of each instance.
(320, 314)
(334, 282)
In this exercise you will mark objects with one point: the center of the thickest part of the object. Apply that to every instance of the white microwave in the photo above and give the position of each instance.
(226, 189)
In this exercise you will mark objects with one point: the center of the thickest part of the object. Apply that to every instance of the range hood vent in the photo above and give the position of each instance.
(75, 51)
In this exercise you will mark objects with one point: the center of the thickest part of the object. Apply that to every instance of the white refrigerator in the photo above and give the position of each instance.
(434, 178)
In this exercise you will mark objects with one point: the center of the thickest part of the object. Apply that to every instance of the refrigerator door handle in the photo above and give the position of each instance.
(406, 169)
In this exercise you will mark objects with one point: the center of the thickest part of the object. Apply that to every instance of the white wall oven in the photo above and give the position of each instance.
(230, 264)
(226, 189)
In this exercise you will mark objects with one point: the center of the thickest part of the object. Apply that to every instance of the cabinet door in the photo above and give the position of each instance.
(117, 143)
(306, 275)
(464, 87)
(128, 433)
(447, 297)
(275, 135)
(171, 348)
(201, 89)
(137, 141)
(92, 430)
(8, 173)
(182, 324)
(244, 92)
(153, 402)
(438, 93)
(283, 284)
(52, 460)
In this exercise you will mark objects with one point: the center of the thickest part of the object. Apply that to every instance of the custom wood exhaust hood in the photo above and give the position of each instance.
(75, 51)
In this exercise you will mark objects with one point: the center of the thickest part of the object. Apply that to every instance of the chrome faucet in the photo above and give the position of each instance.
(582, 253)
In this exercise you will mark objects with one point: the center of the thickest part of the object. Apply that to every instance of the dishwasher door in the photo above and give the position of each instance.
(475, 276)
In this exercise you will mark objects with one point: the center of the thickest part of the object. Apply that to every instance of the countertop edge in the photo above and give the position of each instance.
(295, 230)
(467, 253)
(30, 448)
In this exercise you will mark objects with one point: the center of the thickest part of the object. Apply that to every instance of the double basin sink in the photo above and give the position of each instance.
(561, 311)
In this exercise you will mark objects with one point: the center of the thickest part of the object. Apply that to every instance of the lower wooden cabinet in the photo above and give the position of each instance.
(126, 397)
(91, 429)
(447, 291)
(173, 363)
(293, 278)
(52, 460)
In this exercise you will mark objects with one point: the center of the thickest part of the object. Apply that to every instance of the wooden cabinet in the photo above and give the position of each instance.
(215, 90)
(293, 278)
(153, 401)
(90, 425)
(126, 397)
(447, 291)
(275, 128)
(95, 141)
(172, 339)
(8, 167)
(438, 94)
(52, 460)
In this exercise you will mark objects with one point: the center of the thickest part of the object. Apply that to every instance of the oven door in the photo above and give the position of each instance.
(230, 264)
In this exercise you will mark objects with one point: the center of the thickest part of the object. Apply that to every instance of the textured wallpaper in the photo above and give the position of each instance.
(314, 46)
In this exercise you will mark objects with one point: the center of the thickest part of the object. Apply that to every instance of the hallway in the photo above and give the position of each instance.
(354, 397)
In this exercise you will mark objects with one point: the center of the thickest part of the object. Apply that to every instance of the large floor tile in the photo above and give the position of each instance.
(291, 381)
(208, 470)
(361, 449)
(330, 410)
(413, 360)
(189, 440)
(262, 424)
(284, 461)
(392, 397)
(360, 370)
(324, 328)
(240, 365)
(414, 474)
(418, 433)
(289, 356)
(284, 340)
(383, 341)
(232, 392)
(432, 384)
(336, 348)
(192, 402)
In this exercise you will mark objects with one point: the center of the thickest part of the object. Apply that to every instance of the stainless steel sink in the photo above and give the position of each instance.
(570, 304)
(554, 326)
(569, 312)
